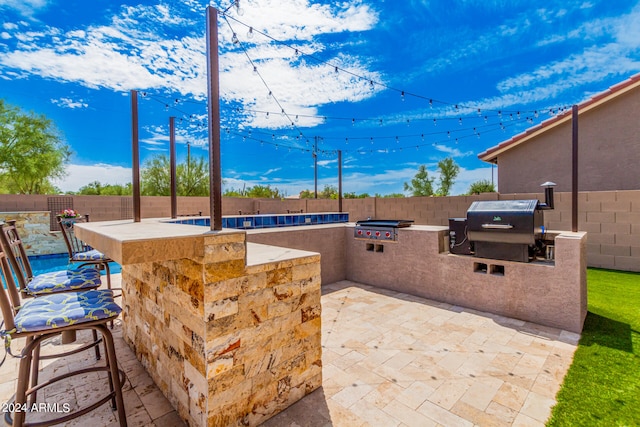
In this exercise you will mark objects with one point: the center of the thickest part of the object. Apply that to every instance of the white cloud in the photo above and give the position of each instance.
(25, 7)
(131, 54)
(80, 175)
(452, 151)
(69, 103)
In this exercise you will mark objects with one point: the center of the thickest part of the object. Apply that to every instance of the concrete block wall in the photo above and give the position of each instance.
(612, 218)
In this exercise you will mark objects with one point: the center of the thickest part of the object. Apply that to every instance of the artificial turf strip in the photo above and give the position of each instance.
(602, 386)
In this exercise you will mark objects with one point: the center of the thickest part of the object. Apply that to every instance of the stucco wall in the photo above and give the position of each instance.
(608, 152)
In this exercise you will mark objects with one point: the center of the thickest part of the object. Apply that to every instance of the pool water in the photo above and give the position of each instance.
(55, 262)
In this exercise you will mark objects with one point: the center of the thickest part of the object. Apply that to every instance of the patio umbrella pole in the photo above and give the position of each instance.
(135, 150)
(574, 167)
(213, 87)
(172, 154)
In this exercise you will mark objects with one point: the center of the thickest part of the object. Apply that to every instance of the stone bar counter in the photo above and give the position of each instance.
(228, 330)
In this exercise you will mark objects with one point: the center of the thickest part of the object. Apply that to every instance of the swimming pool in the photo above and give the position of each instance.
(55, 262)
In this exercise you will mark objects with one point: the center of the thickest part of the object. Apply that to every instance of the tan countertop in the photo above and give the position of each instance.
(154, 239)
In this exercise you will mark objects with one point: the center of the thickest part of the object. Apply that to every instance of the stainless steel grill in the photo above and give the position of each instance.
(380, 229)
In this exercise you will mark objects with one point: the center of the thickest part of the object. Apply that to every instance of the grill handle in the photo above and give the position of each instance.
(498, 226)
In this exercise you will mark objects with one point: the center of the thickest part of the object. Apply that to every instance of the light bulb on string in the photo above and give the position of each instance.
(397, 140)
(499, 113)
(479, 112)
(336, 70)
(380, 122)
(234, 39)
(371, 140)
(435, 122)
(267, 115)
(250, 33)
(402, 95)
(518, 115)
(535, 114)
(422, 136)
(408, 122)
(460, 121)
(486, 119)
(255, 69)
(448, 134)
(431, 103)
(353, 122)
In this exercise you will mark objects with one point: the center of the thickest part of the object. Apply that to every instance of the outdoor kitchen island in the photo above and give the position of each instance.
(228, 330)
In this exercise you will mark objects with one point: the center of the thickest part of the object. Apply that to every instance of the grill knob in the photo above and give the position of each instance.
(377, 234)
(387, 234)
(368, 233)
(359, 232)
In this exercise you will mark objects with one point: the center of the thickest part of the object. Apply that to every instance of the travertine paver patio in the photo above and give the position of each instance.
(389, 359)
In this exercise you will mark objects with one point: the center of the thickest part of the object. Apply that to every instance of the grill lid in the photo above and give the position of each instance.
(504, 206)
(398, 223)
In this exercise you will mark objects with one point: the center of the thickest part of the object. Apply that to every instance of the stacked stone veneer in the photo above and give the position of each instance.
(227, 343)
(33, 228)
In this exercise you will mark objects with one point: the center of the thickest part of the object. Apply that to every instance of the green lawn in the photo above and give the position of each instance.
(602, 386)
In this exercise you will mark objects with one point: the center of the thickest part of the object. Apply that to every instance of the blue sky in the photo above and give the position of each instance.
(393, 84)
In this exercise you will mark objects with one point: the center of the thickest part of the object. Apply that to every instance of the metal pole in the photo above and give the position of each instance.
(172, 154)
(574, 174)
(135, 150)
(213, 87)
(339, 180)
(315, 166)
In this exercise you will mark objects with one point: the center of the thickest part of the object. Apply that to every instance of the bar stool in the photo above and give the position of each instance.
(46, 284)
(80, 252)
(41, 318)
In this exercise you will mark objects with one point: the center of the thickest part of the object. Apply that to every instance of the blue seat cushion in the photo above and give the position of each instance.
(64, 281)
(63, 309)
(92, 255)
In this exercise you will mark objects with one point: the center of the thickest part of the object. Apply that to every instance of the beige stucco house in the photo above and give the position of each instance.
(608, 141)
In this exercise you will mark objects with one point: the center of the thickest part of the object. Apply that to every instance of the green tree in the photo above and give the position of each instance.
(307, 194)
(449, 170)
(192, 177)
(392, 195)
(96, 188)
(329, 192)
(32, 152)
(263, 192)
(232, 192)
(482, 186)
(421, 184)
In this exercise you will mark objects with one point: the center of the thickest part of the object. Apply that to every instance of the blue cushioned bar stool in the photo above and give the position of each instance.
(80, 252)
(44, 317)
(46, 284)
